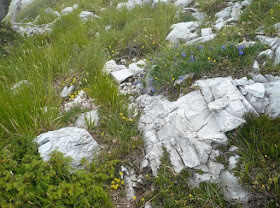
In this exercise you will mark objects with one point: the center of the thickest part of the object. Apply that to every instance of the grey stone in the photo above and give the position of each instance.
(218, 105)
(256, 89)
(267, 40)
(277, 26)
(271, 78)
(240, 82)
(227, 121)
(67, 10)
(182, 32)
(268, 53)
(246, 44)
(85, 15)
(74, 142)
(121, 75)
(274, 102)
(256, 65)
(259, 78)
(206, 31)
(201, 39)
(52, 12)
(134, 69)
(87, 119)
(183, 3)
(258, 103)
(225, 13)
(67, 91)
(236, 11)
(80, 101)
(277, 56)
(110, 66)
(200, 16)
(232, 190)
(233, 160)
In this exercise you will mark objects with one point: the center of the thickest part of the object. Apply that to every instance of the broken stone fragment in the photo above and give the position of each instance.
(87, 119)
(67, 91)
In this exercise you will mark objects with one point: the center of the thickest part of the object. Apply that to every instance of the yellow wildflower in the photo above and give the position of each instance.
(122, 182)
(134, 198)
(121, 173)
(190, 195)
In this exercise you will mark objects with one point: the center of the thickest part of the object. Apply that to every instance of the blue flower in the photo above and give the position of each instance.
(200, 47)
(184, 55)
(210, 48)
(240, 48)
(176, 46)
(151, 79)
(181, 77)
(241, 53)
(139, 82)
(144, 91)
(223, 47)
(151, 85)
(192, 58)
(153, 89)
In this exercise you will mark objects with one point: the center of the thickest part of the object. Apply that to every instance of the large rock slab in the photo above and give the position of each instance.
(74, 142)
(182, 32)
(4, 8)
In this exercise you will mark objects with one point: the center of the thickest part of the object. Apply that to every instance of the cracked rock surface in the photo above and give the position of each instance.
(74, 142)
(192, 128)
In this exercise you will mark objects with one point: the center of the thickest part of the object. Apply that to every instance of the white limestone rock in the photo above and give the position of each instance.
(206, 31)
(135, 69)
(268, 40)
(256, 65)
(85, 15)
(200, 16)
(259, 78)
(183, 3)
(87, 119)
(67, 91)
(256, 89)
(246, 44)
(227, 121)
(202, 39)
(277, 56)
(258, 103)
(67, 10)
(182, 32)
(240, 82)
(268, 53)
(232, 190)
(236, 11)
(74, 142)
(225, 13)
(52, 12)
(121, 75)
(233, 160)
(110, 66)
(218, 105)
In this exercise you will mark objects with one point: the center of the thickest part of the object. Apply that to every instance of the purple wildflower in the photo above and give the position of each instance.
(151, 79)
(153, 89)
(210, 48)
(181, 77)
(184, 55)
(240, 48)
(200, 47)
(241, 53)
(192, 58)
(224, 48)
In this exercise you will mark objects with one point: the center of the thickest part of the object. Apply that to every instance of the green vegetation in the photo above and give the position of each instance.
(173, 190)
(172, 63)
(211, 6)
(261, 13)
(259, 147)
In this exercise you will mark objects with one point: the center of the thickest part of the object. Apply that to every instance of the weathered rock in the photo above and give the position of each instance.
(256, 65)
(259, 78)
(182, 32)
(256, 89)
(74, 142)
(225, 13)
(52, 12)
(87, 119)
(246, 44)
(135, 69)
(110, 66)
(258, 103)
(200, 16)
(269, 41)
(218, 105)
(206, 31)
(67, 91)
(121, 75)
(277, 56)
(231, 188)
(236, 11)
(240, 82)
(183, 3)
(67, 10)
(85, 15)
(202, 39)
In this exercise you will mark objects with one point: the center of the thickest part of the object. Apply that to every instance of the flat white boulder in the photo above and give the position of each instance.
(135, 69)
(74, 142)
(110, 66)
(183, 3)
(67, 10)
(182, 32)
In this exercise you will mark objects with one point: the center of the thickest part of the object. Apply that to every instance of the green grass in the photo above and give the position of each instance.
(211, 6)
(259, 147)
(216, 58)
(261, 13)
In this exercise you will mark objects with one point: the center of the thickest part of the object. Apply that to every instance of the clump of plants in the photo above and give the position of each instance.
(258, 141)
(219, 59)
